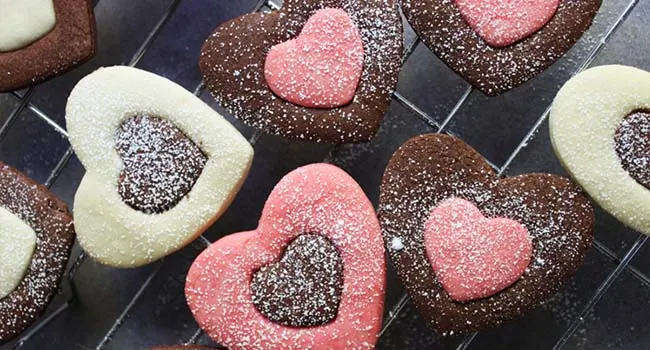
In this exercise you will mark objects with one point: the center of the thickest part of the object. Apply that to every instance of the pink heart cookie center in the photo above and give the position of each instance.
(474, 257)
(504, 22)
(321, 68)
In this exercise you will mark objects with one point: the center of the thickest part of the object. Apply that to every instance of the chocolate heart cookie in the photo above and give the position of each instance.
(36, 236)
(161, 165)
(43, 38)
(311, 276)
(304, 45)
(498, 45)
(443, 209)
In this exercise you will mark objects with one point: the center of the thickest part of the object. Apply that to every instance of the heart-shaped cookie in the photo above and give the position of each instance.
(36, 236)
(320, 68)
(312, 208)
(43, 38)
(186, 347)
(600, 128)
(495, 70)
(430, 169)
(161, 166)
(233, 59)
(493, 253)
(504, 22)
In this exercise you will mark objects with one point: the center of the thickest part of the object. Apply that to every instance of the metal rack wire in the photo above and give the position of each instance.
(440, 127)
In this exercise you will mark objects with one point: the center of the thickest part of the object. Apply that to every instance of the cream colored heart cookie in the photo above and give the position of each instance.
(600, 129)
(17, 243)
(23, 22)
(161, 165)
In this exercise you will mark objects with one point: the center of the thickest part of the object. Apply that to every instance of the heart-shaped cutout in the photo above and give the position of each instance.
(234, 57)
(304, 288)
(320, 68)
(160, 167)
(318, 198)
(474, 257)
(600, 129)
(495, 70)
(633, 146)
(39, 51)
(429, 169)
(504, 22)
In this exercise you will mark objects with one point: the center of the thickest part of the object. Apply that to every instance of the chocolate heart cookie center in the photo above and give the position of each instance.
(304, 288)
(161, 165)
(633, 146)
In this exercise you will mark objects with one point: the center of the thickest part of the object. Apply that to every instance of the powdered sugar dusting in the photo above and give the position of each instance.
(160, 163)
(304, 288)
(633, 146)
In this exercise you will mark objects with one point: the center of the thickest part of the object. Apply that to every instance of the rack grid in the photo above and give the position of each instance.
(24, 100)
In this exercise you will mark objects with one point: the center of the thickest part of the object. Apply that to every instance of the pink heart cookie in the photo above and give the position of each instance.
(320, 68)
(316, 199)
(504, 22)
(474, 257)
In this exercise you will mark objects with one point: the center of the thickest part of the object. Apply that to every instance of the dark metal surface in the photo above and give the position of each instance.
(607, 305)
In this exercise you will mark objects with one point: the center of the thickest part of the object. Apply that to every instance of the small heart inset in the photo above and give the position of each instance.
(161, 164)
(633, 146)
(474, 257)
(304, 288)
(504, 22)
(320, 68)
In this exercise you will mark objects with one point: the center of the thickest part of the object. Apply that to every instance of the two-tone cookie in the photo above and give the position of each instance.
(43, 38)
(600, 128)
(311, 276)
(161, 165)
(320, 71)
(185, 347)
(474, 250)
(497, 45)
(36, 236)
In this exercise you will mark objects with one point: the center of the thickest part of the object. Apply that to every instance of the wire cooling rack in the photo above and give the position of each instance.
(397, 305)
